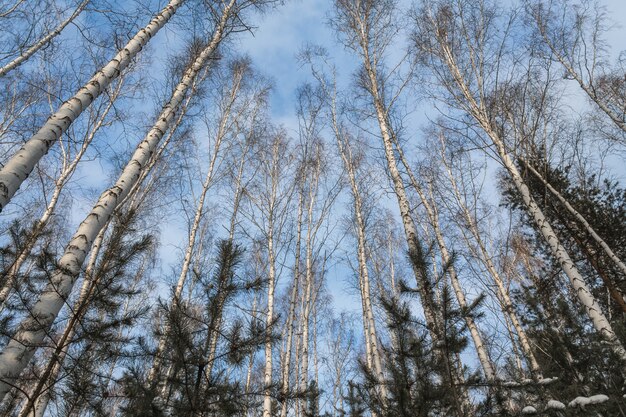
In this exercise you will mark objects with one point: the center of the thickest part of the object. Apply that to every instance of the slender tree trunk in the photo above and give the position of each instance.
(583, 292)
(20, 165)
(551, 317)
(306, 300)
(516, 354)
(215, 333)
(37, 402)
(24, 56)
(267, 375)
(59, 184)
(191, 243)
(485, 257)
(609, 252)
(292, 307)
(427, 296)
(156, 156)
(297, 359)
(586, 298)
(433, 216)
(38, 399)
(251, 361)
(425, 288)
(33, 329)
(316, 372)
(374, 362)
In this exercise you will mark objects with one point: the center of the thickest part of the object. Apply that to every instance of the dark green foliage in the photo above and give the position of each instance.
(39, 265)
(188, 384)
(418, 372)
(567, 347)
(103, 321)
(602, 205)
(312, 401)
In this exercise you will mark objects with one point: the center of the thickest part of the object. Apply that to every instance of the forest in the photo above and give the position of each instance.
(395, 209)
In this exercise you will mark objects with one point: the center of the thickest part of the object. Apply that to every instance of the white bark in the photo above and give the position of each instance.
(268, 198)
(59, 184)
(425, 290)
(477, 110)
(433, 321)
(24, 56)
(20, 165)
(274, 221)
(38, 399)
(33, 329)
(271, 284)
(292, 307)
(215, 331)
(433, 216)
(486, 259)
(369, 323)
(583, 292)
(250, 363)
(306, 300)
(195, 226)
(609, 252)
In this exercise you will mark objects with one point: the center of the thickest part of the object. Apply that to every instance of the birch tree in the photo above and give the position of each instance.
(20, 349)
(477, 244)
(573, 33)
(267, 208)
(321, 191)
(225, 122)
(99, 118)
(23, 57)
(293, 297)
(432, 212)
(352, 159)
(21, 164)
(369, 29)
(455, 54)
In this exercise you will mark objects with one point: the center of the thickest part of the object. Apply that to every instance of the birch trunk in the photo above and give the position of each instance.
(476, 110)
(433, 216)
(550, 315)
(609, 252)
(586, 298)
(583, 292)
(316, 374)
(191, 242)
(20, 165)
(59, 184)
(231, 234)
(250, 364)
(427, 296)
(24, 56)
(306, 300)
(267, 374)
(486, 259)
(32, 331)
(369, 323)
(38, 399)
(292, 307)
(272, 202)
(425, 290)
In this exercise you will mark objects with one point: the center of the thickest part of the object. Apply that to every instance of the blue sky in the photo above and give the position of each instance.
(284, 31)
